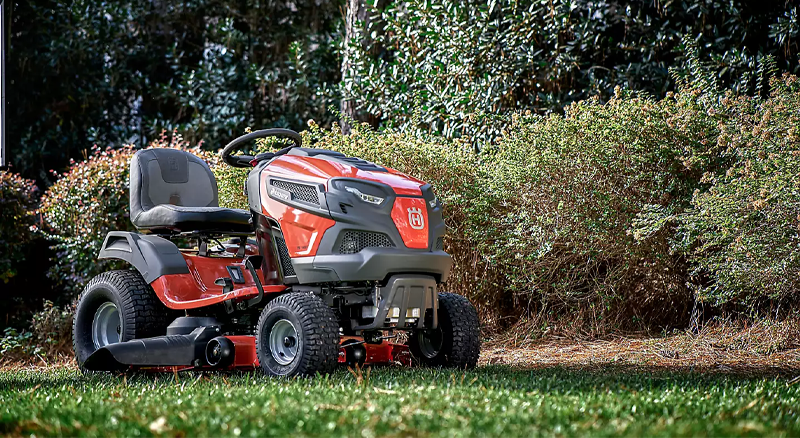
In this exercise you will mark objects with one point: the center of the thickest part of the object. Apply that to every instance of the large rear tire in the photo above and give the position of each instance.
(456, 342)
(297, 335)
(117, 306)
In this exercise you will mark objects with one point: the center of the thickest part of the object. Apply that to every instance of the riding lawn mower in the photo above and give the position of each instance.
(335, 262)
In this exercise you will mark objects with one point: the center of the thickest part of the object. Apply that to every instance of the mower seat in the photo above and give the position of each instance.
(172, 190)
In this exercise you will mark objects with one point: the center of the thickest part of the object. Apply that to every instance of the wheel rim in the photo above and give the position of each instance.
(106, 327)
(430, 342)
(283, 342)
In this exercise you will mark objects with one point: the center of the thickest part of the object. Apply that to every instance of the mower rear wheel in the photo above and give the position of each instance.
(456, 342)
(297, 335)
(116, 306)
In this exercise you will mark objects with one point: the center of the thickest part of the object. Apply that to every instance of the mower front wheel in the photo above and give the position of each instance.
(297, 335)
(456, 342)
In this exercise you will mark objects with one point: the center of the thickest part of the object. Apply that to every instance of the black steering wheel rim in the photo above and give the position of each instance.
(246, 160)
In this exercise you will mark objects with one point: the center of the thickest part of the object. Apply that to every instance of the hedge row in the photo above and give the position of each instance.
(630, 214)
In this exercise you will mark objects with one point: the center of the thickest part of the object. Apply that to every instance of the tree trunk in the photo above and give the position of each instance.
(358, 14)
(355, 12)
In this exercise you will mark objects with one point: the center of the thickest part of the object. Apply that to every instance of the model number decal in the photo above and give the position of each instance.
(280, 194)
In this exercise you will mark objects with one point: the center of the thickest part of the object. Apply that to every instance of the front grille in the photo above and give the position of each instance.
(440, 243)
(299, 191)
(283, 255)
(354, 241)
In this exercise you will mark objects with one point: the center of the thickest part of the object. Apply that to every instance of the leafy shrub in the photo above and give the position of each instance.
(50, 333)
(16, 344)
(17, 202)
(86, 202)
(128, 69)
(52, 328)
(433, 65)
(746, 227)
(570, 189)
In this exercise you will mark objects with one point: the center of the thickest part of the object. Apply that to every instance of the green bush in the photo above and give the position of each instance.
(52, 328)
(746, 227)
(16, 344)
(50, 334)
(434, 65)
(569, 190)
(87, 201)
(18, 203)
(121, 71)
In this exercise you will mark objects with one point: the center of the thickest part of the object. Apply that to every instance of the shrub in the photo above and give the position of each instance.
(432, 65)
(16, 344)
(746, 227)
(570, 189)
(86, 202)
(52, 328)
(50, 334)
(17, 202)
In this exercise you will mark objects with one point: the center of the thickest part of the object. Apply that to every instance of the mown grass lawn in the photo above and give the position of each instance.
(490, 401)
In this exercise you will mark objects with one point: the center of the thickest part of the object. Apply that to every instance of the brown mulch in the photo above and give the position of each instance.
(642, 354)
(759, 349)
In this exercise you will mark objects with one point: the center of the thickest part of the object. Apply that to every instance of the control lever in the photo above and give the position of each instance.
(226, 283)
(250, 263)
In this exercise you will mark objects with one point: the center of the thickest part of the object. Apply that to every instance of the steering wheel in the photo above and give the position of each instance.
(247, 160)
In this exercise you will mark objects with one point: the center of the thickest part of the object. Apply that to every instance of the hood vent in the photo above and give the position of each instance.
(300, 192)
(354, 241)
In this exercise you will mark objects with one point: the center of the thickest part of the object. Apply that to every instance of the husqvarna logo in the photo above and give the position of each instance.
(415, 218)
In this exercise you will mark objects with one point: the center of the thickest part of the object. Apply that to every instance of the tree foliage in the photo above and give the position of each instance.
(85, 72)
(451, 67)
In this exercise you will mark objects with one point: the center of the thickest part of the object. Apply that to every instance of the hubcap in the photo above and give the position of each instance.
(283, 342)
(106, 327)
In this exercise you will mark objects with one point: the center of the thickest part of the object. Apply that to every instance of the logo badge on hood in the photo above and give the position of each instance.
(415, 218)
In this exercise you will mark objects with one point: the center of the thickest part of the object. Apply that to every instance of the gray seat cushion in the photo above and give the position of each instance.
(174, 190)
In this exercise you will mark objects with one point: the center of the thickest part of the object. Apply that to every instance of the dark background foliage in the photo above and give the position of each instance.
(113, 72)
(85, 72)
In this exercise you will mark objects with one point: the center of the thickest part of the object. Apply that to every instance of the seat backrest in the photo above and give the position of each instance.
(170, 176)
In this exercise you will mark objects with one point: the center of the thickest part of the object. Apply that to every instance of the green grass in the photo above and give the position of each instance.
(491, 401)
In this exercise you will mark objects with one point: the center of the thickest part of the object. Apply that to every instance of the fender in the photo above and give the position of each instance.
(152, 256)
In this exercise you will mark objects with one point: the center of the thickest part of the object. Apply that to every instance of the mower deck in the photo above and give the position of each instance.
(132, 355)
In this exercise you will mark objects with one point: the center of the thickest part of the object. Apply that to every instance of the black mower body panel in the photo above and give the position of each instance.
(152, 256)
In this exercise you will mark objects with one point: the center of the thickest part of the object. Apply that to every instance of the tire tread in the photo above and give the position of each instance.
(320, 326)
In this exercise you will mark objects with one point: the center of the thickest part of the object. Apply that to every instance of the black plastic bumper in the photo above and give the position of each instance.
(371, 264)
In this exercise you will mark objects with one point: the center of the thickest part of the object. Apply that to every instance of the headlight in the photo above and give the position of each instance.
(377, 200)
